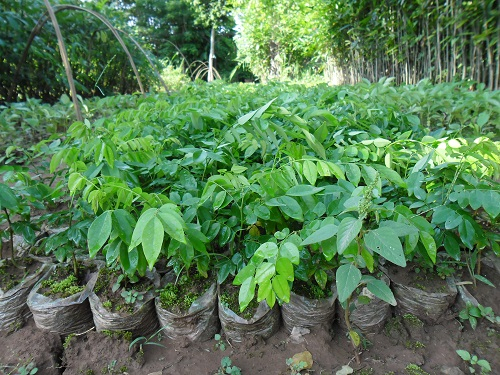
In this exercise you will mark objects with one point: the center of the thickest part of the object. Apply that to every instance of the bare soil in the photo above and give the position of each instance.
(398, 345)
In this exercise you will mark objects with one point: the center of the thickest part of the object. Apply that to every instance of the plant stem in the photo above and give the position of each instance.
(11, 236)
(349, 328)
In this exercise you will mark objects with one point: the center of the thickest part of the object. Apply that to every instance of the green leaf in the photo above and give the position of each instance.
(484, 364)
(355, 339)
(484, 280)
(245, 273)
(281, 288)
(465, 355)
(314, 144)
(390, 175)
(8, 199)
(219, 199)
(321, 278)
(265, 289)
(289, 251)
(483, 118)
(452, 246)
(467, 233)
(347, 280)
(124, 224)
(290, 207)
(381, 142)
(382, 291)
(303, 190)
(490, 201)
(310, 171)
(348, 230)
(152, 240)
(247, 292)
(285, 267)
(385, 241)
(264, 272)
(99, 232)
(172, 224)
(429, 244)
(353, 173)
(139, 227)
(267, 250)
(322, 234)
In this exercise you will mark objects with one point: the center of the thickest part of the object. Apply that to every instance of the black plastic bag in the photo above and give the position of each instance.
(303, 312)
(62, 315)
(200, 323)
(264, 323)
(13, 306)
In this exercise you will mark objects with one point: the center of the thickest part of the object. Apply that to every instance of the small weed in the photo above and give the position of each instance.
(413, 345)
(473, 313)
(64, 288)
(226, 367)
(413, 369)
(125, 335)
(130, 296)
(365, 371)
(295, 368)
(67, 340)
(475, 363)
(28, 369)
(218, 342)
(142, 340)
(413, 321)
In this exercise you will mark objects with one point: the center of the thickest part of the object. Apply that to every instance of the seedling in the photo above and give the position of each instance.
(296, 368)
(473, 313)
(226, 367)
(130, 296)
(219, 344)
(474, 363)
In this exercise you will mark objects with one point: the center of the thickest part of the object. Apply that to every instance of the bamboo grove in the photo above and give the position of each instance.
(444, 40)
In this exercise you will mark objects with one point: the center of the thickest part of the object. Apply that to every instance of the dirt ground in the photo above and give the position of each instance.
(432, 348)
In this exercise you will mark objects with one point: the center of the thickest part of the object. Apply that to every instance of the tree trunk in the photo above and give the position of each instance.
(211, 56)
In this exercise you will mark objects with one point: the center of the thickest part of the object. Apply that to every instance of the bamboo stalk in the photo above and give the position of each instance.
(65, 59)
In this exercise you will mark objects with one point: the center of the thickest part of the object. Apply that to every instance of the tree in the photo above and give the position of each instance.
(280, 37)
(212, 14)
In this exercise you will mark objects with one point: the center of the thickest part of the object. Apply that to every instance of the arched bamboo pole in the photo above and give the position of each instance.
(43, 20)
(64, 56)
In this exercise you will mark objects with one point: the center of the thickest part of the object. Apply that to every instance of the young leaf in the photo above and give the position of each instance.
(322, 234)
(356, 340)
(266, 250)
(124, 224)
(247, 292)
(285, 267)
(429, 244)
(265, 288)
(348, 230)
(172, 224)
(290, 207)
(281, 288)
(382, 291)
(303, 190)
(310, 171)
(152, 240)
(8, 199)
(464, 354)
(139, 227)
(385, 241)
(264, 272)
(99, 232)
(347, 280)
(245, 273)
(290, 251)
